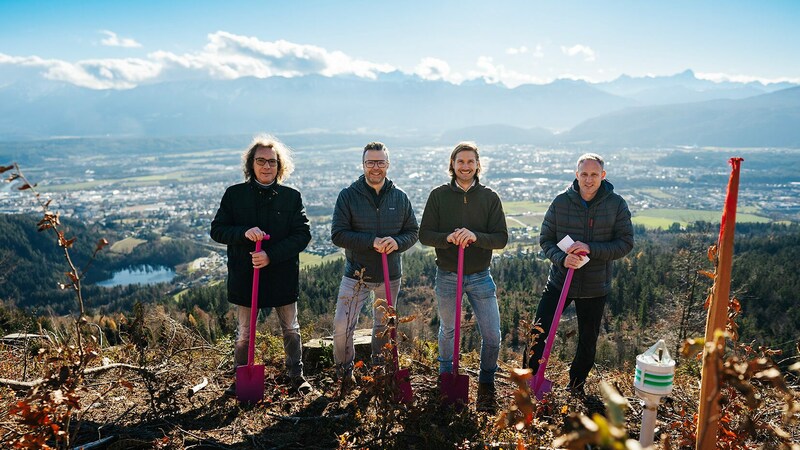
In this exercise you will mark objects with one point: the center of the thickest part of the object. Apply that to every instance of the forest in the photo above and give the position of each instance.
(658, 290)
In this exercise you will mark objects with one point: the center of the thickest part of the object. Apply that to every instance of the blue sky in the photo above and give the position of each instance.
(120, 45)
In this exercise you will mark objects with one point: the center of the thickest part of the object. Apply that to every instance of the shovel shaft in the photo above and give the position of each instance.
(551, 335)
(388, 286)
(459, 293)
(251, 347)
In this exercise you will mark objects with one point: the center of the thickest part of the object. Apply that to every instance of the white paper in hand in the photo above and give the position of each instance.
(566, 243)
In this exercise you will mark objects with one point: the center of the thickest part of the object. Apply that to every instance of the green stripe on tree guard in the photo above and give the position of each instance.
(658, 383)
(659, 377)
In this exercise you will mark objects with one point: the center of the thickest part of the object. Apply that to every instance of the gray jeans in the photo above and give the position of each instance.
(292, 345)
(352, 296)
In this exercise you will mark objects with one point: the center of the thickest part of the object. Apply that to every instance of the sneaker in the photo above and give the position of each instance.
(487, 398)
(301, 385)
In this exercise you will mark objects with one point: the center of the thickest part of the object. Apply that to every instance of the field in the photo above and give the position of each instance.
(308, 259)
(126, 245)
(664, 218)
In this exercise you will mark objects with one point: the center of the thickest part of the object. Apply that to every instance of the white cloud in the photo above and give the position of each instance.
(105, 73)
(231, 56)
(92, 74)
(226, 56)
(112, 40)
(517, 50)
(720, 77)
(498, 73)
(433, 69)
(587, 52)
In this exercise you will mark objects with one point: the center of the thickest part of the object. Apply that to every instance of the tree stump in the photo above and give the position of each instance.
(318, 353)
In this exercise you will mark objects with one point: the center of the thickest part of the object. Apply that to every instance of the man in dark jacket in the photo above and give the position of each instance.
(466, 213)
(599, 223)
(371, 217)
(248, 211)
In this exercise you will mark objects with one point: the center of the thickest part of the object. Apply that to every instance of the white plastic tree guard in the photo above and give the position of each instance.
(655, 370)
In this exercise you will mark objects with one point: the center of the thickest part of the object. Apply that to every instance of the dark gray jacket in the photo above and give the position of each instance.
(357, 221)
(605, 226)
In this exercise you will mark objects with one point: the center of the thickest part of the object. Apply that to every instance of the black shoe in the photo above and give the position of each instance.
(577, 391)
(301, 385)
(487, 398)
(230, 391)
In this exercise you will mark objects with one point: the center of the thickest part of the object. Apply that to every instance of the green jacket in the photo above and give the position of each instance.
(479, 210)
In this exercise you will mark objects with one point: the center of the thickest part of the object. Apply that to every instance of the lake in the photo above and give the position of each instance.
(139, 275)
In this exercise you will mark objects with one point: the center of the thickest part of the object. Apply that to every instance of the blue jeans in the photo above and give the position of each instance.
(482, 295)
(352, 295)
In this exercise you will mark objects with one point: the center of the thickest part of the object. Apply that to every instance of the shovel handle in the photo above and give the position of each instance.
(251, 347)
(551, 334)
(387, 285)
(459, 294)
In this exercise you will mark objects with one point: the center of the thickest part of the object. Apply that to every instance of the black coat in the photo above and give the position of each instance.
(605, 226)
(278, 210)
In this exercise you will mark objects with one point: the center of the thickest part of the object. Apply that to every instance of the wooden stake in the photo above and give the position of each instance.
(708, 415)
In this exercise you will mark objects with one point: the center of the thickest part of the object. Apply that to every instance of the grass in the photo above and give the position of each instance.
(657, 193)
(517, 208)
(126, 245)
(664, 218)
(309, 260)
(145, 180)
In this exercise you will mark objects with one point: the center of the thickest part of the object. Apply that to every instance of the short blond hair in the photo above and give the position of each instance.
(591, 157)
(282, 151)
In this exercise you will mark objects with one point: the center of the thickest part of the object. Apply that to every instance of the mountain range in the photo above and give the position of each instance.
(671, 110)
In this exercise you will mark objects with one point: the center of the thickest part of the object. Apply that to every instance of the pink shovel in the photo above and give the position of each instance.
(403, 377)
(250, 378)
(539, 384)
(455, 387)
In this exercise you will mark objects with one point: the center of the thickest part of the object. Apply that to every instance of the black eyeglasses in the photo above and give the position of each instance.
(262, 161)
(371, 163)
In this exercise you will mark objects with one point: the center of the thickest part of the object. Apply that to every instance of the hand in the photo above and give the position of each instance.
(390, 245)
(254, 234)
(385, 244)
(573, 261)
(462, 237)
(579, 247)
(260, 259)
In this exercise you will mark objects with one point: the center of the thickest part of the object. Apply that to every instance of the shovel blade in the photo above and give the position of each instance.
(455, 389)
(543, 388)
(404, 393)
(250, 384)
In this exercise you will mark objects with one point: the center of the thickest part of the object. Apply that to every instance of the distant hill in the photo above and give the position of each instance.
(392, 104)
(497, 134)
(765, 120)
(682, 109)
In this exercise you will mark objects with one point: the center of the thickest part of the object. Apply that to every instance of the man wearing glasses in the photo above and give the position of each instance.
(371, 216)
(248, 211)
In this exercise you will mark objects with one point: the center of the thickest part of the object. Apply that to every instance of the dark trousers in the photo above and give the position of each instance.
(590, 314)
